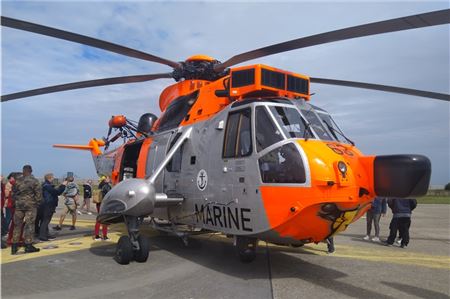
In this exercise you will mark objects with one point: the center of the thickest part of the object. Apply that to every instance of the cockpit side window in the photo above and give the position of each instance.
(282, 165)
(177, 111)
(266, 132)
(238, 136)
(290, 122)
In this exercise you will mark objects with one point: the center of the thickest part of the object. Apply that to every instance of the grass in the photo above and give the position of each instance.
(428, 199)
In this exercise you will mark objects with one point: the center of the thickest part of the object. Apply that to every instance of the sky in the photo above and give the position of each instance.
(379, 123)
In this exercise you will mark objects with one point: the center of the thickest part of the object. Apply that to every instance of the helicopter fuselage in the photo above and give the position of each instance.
(235, 182)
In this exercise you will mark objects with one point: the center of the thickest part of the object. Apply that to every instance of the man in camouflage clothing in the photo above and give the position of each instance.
(27, 194)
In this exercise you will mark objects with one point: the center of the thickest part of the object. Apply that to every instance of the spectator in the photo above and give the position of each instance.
(70, 203)
(27, 195)
(104, 187)
(330, 245)
(87, 195)
(9, 205)
(4, 227)
(48, 205)
(378, 208)
(10, 208)
(401, 219)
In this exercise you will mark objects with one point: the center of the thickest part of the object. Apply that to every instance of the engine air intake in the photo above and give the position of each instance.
(264, 81)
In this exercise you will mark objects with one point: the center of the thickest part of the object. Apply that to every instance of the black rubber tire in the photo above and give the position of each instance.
(124, 251)
(141, 255)
(247, 255)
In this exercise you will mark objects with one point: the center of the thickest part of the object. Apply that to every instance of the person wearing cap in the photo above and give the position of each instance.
(48, 205)
(87, 194)
(27, 195)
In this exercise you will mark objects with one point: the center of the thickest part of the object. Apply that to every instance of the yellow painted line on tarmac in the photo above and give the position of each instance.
(66, 245)
(62, 246)
(391, 255)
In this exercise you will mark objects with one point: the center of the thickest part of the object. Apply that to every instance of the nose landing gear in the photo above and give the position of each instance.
(134, 246)
(246, 248)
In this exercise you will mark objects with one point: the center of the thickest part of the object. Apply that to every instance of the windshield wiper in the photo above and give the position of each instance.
(334, 131)
(305, 133)
(308, 125)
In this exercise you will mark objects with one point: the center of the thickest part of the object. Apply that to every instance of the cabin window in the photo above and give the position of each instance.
(282, 165)
(175, 163)
(177, 111)
(266, 132)
(238, 136)
(290, 122)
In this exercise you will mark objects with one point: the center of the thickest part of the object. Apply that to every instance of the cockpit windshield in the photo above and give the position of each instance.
(332, 127)
(317, 125)
(291, 122)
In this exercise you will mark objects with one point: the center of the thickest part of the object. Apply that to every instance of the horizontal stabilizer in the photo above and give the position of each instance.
(93, 146)
(72, 146)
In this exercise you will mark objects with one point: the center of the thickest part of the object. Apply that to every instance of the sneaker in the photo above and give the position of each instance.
(398, 241)
(105, 238)
(79, 212)
(57, 227)
(89, 213)
(43, 239)
(387, 244)
(376, 239)
(367, 238)
(97, 238)
(402, 246)
(50, 237)
(29, 248)
(72, 227)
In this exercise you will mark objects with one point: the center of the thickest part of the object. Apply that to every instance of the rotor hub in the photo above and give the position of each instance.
(198, 67)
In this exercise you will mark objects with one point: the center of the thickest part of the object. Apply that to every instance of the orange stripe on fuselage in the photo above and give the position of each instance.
(297, 212)
(142, 159)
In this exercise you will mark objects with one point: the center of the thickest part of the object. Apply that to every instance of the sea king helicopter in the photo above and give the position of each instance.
(241, 150)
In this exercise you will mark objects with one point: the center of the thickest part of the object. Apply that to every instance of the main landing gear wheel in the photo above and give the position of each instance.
(141, 254)
(124, 251)
(246, 248)
(134, 246)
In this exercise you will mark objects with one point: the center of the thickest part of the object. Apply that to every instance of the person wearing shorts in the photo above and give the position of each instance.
(70, 203)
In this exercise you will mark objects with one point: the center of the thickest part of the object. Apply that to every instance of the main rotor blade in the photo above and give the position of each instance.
(85, 40)
(394, 89)
(405, 23)
(84, 84)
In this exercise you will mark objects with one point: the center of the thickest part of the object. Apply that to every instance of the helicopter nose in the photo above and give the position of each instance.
(401, 175)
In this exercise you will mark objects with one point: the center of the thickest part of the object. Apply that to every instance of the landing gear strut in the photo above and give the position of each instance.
(132, 246)
(246, 248)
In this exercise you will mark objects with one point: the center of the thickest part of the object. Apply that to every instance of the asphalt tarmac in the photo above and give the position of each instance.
(76, 266)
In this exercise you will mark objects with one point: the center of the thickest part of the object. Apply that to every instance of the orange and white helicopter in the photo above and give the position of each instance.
(241, 150)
